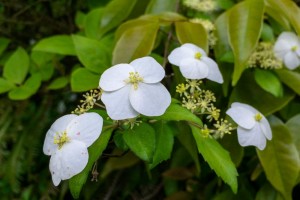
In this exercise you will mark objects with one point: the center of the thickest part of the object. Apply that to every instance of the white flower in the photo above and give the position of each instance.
(253, 128)
(133, 89)
(67, 141)
(194, 63)
(287, 49)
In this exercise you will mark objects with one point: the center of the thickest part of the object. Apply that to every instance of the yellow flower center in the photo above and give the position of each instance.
(61, 139)
(198, 55)
(294, 48)
(258, 117)
(134, 79)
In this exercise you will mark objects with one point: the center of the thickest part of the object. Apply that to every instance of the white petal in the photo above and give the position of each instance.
(114, 77)
(150, 99)
(117, 104)
(246, 106)
(266, 129)
(194, 48)
(149, 69)
(214, 73)
(291, 60)
(59, 126)
(251, 137)
(290, 39)
(178, 54)
(70, 160)
(243, 116)
(193, 69)
(85, 128)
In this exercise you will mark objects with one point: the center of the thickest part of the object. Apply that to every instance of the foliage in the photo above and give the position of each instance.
(50, 51)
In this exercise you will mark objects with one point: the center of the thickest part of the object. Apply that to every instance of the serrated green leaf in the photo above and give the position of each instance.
(176, 112)
(95, 150)
(280, 159)
(158, 6)
(269, 82)
(91, 53)
(59, 44)
(4, 42)
(29, 88)
(245, 24)
(5, 85)
(217, 158)
(141, 140)
(58, 83)
(290, 78)
(114, 13)
(135, 42)
(83, 80)
(16, 67)
(188, 32)
(247, 91)
(164, 143)
(92, 23)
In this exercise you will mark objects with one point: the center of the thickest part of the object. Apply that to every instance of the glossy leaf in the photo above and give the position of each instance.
(58, 83)
(280, 159)
(59, 44)
(267, 33)
(217, 158)
(269, 82)
(267, 192)
(290, 78)
(164, 143)
(176, 112)
(289, 9)
(83, 80)
(135, 43)
(141, 140)
(294, 126)
(114, 13)
(247, 91)
(245, 24)
(158, 6)
(188, 32)
(29, 88)
(4, 42)
(277, 15)
(95, 151)
(5, 85)
(92, 23)
(91, 53)
(16, 67)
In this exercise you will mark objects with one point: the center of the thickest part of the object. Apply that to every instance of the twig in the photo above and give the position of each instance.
(112, 187)
(153, 193)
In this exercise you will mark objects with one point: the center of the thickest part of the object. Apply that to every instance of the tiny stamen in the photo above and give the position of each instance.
(61, 139)
(198, 55)
(294, 48)
(258, 117)
(134, 79)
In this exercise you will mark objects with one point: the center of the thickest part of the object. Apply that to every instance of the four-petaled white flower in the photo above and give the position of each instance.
(194, 63)
(253, 128)
(67, 141)
(287, 49)
(134, 88)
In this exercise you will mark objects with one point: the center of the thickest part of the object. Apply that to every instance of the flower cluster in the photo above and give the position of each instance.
(287, 49)
(89, 101)
(201, 5)
(264, 57)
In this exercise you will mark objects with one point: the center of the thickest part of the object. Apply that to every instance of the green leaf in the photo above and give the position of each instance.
(141, 140)
(135, 42)
(247, 91)
(5, 85)
(294, 126)
(114, 13)
(83, 80)
(158, 6)
(58, 83)
(267, 192)
(16, 67)
(95, 151)
(225, 4)
(280, 159)
(278, 16)
(188, 32)
(4, 42)
(29, 88)
(91, 53)
(217, 158)
(164, 143)
(287, 8)
(245, 24)
(176, 112)
(290, 78)
(59, 44)
(267, 33)
(92, 23)
(269, 82)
